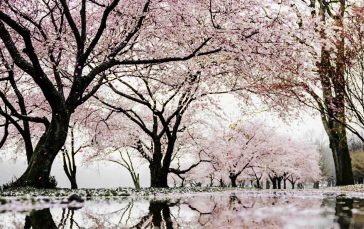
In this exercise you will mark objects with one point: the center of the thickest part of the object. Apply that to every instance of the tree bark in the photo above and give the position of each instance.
(279, 182)
(267, 184)
(259, 186)
(50, 143)
(292, 184)
(316, 185)
(274, 183)
(233, 178)
(74, 183)
(340, 151)
(158, 175)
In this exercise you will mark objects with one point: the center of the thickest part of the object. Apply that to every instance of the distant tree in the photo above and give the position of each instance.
(257, 152)
(125, 160)
(69, 152)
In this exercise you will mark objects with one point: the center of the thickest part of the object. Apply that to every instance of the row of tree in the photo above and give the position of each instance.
(152, 65)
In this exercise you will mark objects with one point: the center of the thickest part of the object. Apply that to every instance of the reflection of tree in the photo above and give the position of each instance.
(42, 219)
(68, 216)
(343, 212)
(237, 210)
(203, 215)
(39, 219)
(212, 208)
(159, 215)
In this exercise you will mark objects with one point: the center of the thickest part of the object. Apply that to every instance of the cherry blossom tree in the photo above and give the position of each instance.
(294, 161)
(330, 36)
(253, 150)
(331, 81)
(238, 148)
(64, 50)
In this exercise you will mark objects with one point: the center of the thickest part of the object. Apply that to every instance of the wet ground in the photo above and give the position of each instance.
(228, 209)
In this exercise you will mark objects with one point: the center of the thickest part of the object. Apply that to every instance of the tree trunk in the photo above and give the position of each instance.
(74, 183)
(233, 180)
(274, 183)
(50, 143)
(279, 181)
(222, 183)
(136, 180)
(71, 175)
(316, 185)
(258, 183)
(28, 147)
(292, 183)
(267, 184)
(158, 176)
(340, 151)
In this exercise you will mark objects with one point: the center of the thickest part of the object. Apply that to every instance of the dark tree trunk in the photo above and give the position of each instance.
(50, 143)
(340, 151)
(279, 182)
(274, 183)
(159, 168)
(28, 147)
(233, 180)
(158, 176)
(292, 183)
(284, 183)
(316, 185)
(71, 177)
(258, 184)
(222, 183)
(267, 184)
(74, 183)
(211, 181)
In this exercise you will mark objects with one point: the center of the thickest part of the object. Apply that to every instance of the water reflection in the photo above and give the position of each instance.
(41, 219)
(350, 212)
(233, 210)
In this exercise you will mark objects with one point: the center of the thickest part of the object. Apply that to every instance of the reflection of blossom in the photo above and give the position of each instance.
(241, 209)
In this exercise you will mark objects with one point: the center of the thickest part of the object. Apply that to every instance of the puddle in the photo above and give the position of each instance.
(201, 210)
